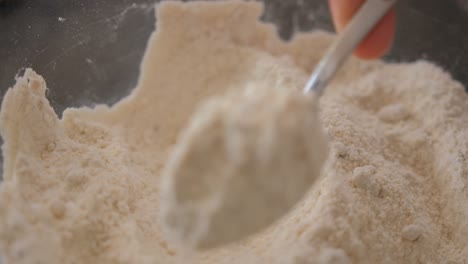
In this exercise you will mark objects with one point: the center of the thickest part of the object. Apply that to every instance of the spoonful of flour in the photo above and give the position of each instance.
(244, 161)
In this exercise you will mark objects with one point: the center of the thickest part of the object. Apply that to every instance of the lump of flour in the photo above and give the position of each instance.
(245, 160)
(87, 188)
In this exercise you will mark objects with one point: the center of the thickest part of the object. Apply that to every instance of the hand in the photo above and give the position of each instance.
(379, 40)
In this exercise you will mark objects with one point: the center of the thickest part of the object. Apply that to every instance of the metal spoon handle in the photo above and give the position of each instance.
(359, 27)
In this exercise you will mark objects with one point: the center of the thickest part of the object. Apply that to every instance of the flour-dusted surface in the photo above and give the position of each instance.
(86, 188)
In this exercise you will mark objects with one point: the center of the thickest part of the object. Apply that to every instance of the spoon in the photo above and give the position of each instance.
(362, 23)
(248, 159)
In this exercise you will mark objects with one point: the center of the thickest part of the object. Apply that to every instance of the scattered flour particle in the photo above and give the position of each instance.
(450, 262)
(393, 113)
(411, 232)
(51, 146)
(58, 209)
(75, 178)
(387, 260)
(340, 150)
(363, 178)
(334, 256)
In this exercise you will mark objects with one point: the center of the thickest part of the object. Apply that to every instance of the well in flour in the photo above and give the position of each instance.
(114, 215)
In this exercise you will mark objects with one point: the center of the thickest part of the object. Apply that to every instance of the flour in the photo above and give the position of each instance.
(87, 188)
(245, 160)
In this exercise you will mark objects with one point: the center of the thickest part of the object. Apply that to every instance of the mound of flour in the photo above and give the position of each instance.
(86, 188)
(245, 160)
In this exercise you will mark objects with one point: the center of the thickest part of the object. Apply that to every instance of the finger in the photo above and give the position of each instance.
(379, 40)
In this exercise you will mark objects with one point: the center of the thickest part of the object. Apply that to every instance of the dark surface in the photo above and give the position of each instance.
(436, 31)
(89, 52)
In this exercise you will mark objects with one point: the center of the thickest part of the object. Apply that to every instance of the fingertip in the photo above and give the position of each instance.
(379, 40)
(342, 11)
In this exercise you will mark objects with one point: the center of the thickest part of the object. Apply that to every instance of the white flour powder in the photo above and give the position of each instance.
(245, 160)
(86, 188)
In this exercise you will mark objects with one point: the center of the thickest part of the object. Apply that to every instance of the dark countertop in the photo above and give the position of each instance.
(89, 52)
